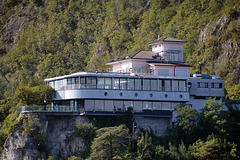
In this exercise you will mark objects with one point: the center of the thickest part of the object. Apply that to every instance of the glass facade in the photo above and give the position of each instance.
(120, 84)
(122, 105)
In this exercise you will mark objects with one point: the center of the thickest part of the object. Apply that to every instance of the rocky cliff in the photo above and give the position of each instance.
(56, 138)
(219, 47)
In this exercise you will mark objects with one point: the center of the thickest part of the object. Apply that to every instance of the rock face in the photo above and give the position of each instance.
(19, 145)
(61, 140)
(59, 137)
(219, 46)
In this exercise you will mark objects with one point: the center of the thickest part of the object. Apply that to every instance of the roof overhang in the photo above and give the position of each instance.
(126, 60)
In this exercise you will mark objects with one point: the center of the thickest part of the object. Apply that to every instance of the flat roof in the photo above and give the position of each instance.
(111, 74)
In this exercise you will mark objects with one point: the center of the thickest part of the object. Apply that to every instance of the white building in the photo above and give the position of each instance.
(153, 82)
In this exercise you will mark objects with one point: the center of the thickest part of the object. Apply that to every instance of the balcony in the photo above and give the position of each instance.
(173, 56)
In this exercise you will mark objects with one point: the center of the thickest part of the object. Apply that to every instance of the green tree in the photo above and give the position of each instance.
(145, 146)
(213, 148)
(110, 143)
(34, 95)
(25, 95)
(87, 132)
(185, 128)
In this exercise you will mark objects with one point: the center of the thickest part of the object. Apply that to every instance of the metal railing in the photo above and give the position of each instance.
(48, 108)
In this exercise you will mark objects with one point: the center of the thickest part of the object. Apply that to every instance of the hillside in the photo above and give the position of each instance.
(41, 39)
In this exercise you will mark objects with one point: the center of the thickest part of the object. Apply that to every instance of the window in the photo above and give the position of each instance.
(160, 85)
(91, 82)
(181, 73)
(202, 85)
(100, 83)
(166, 106)
(174, 56)
(77, 82)
(128, 104)
(131, 84)
(146, 84)
(116, 83)
(89, 105)
(137, 106)
(118, 105)
(179, 85)
(108, 83)
(108, 105)
(147, 105)
(167, 85)
(216, 85)
(123, 83)
(163, 72)
(83, 82)
(175, 85)
(157, 105)
(99, 105)
(153, 84)
(138, 84)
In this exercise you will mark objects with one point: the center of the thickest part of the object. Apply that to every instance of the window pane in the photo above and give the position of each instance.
(163, 72)
(108, 83)
(157, 106)
(147, 105)
(153, 84)
(131, 84)
(77, 82)
(166, 105)
(160, 84)
(175, 85)
(101, 83)
(138, 84)
(82, 82)
(137, 106)
(91, 82)
(69, 81)
(146, 84)
(89, 105)
(167, 85)
(128, 104)
(94, 82)
(118, 105)
(73, 80)
(108, 105)
(123, 83)
(116, 83)
(88, 82)
(99, 105)
(182, 85)
(175, 105)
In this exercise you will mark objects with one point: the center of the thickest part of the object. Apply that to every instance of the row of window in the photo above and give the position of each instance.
(119, 83)
(120, 105)
(205, 85)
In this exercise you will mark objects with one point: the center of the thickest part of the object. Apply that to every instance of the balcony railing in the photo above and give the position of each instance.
(48, 108)
(174, 56)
